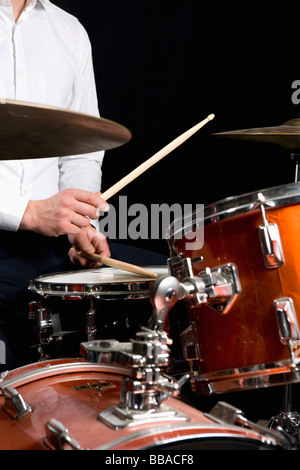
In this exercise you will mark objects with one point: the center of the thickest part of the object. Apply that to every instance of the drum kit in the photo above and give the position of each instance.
(240, 291)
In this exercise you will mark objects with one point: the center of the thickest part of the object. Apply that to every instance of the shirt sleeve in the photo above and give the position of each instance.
(83, 171)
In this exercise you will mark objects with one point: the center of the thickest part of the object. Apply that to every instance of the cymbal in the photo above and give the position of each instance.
(29, 130)
(286, 135)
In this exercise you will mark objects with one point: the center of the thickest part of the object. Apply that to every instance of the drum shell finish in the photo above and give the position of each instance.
(248, 334)
(75, 392)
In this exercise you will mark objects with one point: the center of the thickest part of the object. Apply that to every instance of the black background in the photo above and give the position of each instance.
(162, 66)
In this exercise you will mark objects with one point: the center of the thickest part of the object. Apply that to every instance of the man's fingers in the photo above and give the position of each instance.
(89, 204)
(100, 243)
(83, 243)
(88, 241)
(76, 259)
(93, 199)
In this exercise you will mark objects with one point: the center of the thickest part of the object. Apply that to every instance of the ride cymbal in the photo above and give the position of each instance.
(30, 130)
(287, 135)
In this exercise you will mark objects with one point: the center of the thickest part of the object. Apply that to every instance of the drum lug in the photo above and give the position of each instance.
(91, 329)
(287, 325)
(49, 334)
(15, 405)
(271, 245)
(189, 343)
(191, 352)
(58, 437)
(269, 239)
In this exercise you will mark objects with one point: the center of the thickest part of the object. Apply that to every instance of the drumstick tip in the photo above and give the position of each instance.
(210, 117)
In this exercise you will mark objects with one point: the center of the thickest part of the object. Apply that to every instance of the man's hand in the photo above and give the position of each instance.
(90, 241)
(67, 212)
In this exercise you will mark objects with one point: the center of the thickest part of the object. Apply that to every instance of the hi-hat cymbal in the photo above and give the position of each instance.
(287, 135)
(29, 130)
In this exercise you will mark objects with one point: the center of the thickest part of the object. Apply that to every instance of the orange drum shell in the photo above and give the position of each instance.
(75, 398)
(247, 335)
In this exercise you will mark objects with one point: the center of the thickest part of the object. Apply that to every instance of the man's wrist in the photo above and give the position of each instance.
(27, 219)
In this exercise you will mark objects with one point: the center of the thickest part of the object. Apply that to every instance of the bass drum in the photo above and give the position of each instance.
(255, 343)
(56, 405)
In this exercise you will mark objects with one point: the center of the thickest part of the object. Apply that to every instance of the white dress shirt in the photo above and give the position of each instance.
(45, 58)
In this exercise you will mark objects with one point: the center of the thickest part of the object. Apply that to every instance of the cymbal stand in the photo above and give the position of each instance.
(288, 419)
(296, 157)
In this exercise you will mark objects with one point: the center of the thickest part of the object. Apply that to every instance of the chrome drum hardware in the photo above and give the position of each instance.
(288, 326)
(269, 237)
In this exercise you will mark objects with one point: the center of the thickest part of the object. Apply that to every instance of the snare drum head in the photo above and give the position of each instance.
(100, 283)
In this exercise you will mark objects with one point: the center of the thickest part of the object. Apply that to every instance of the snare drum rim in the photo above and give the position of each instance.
(232, 206)
(49, 285)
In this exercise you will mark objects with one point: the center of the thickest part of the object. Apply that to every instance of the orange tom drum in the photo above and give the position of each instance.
(57, 405)
(255, 342)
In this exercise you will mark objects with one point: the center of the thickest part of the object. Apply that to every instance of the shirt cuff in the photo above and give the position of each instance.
(11, 215)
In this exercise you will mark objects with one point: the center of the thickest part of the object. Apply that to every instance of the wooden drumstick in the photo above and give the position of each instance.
(154, 159)
(130, 177)
(114, 263)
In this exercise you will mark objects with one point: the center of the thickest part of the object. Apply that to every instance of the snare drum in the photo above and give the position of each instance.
(75, 302)
(103, 283)
(255, 344)
(56, 405)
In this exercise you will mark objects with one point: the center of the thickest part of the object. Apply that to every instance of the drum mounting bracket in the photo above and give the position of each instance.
(146, 388)
(217, 286)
